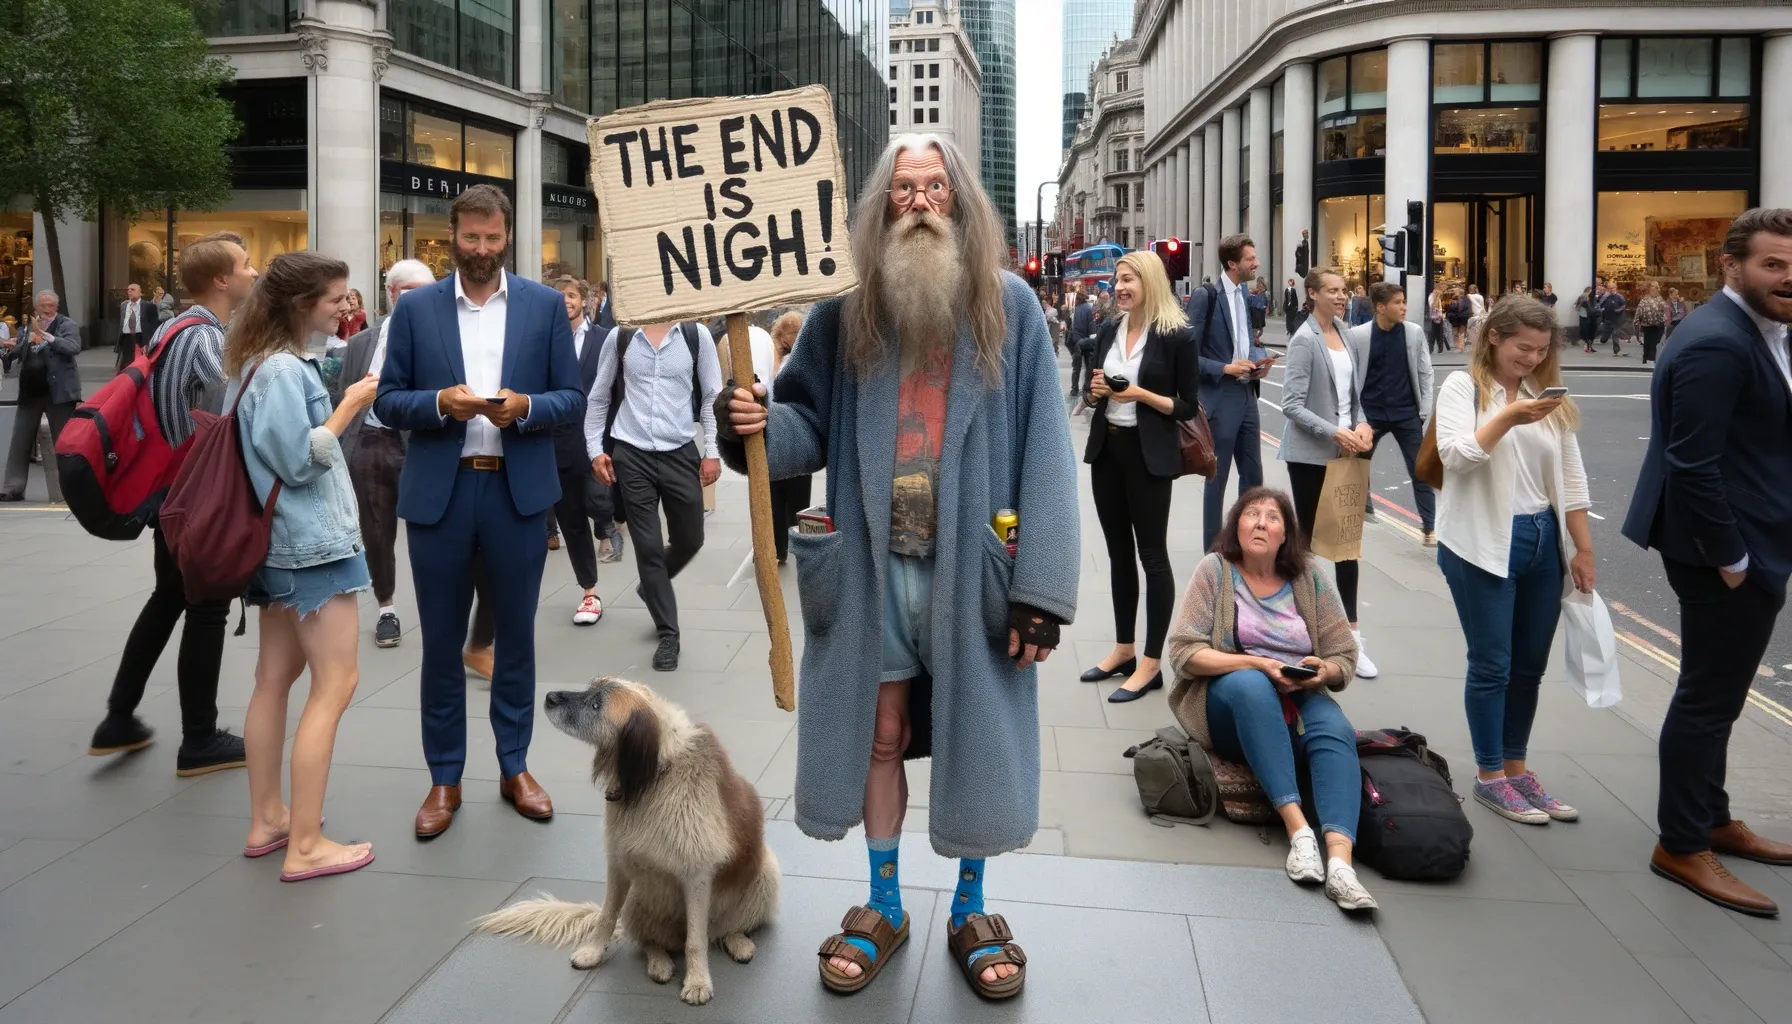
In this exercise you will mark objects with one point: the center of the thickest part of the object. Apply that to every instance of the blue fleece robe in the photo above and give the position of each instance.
(1006, 446)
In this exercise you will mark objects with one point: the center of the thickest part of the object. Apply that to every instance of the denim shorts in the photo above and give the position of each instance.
(307, 590)
(908, 617)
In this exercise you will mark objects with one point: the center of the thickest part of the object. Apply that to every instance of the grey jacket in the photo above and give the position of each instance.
(62, 343)
(1310, 396)
(357, 357)
(1418, 363)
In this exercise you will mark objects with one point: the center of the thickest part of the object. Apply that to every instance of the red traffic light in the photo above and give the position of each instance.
(1033, 265)
(1172, 244)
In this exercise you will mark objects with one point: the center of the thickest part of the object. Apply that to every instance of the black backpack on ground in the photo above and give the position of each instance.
(1411, 826)
(624, 335)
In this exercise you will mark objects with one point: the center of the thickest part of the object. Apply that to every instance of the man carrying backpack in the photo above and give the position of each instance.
(215, 273)
(651, 426)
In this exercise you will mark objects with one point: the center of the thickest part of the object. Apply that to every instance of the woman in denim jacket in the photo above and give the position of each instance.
(315, 566)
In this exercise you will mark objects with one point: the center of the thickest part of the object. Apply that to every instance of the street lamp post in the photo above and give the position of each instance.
(1039, 220)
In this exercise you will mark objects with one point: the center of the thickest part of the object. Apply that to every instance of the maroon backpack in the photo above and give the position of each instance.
(211, 521)
(114, 462)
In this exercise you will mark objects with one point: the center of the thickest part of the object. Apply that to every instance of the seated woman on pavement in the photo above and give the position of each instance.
(1259, 640)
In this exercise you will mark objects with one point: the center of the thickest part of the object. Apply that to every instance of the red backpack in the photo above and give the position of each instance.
(114, 462)
(211, 521)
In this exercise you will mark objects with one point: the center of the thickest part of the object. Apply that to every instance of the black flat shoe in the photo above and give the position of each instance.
(1123, 695)
(1097, 674)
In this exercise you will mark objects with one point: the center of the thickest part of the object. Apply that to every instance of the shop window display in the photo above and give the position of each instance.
(15, 262)
(1353, 137)
(1671, 237)
(1487, 130)
(1657, 127)
(1353, 92)
(1347, 240)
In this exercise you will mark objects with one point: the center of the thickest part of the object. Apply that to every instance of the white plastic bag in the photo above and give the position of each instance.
(1590, 649)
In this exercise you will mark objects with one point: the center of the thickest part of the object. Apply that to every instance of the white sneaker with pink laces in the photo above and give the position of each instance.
(590, 610)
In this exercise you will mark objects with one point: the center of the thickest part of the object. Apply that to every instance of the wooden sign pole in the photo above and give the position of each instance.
(759, 496)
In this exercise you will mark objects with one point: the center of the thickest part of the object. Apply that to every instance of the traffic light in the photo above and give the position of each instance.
(1033, 271)
(1393, 249)
(1415, 237)
(1174, 254)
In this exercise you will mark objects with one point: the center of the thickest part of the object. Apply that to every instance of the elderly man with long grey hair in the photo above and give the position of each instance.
(375, 453)
(931, 397)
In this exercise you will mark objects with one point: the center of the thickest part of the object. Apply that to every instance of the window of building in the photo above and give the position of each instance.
(933, 115)
(920, 93)
(1122, 197)
(1353, 95)
(1671, 237)
(1487, 130)
(433, 141)
(570, 52)
(474, 36)
(1138, 200)
(1486, 97)
(895, 46)
(933, 71)
(892, 95)
(1663, 126)
(918, 113)
(490, 153)
(1120, 81)
(246, 17)
(1369, 79)
(1122, 158)
(933, 45)
(1334, 85)
(1347, 240)
(933, 94)
(893, 75)
(1673, 85)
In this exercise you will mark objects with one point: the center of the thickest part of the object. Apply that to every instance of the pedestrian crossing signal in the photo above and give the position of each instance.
(1174, 254)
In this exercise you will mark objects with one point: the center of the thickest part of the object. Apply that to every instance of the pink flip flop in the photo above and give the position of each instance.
(278, 844)
(334, 869)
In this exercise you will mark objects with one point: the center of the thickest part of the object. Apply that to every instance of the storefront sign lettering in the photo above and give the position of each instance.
(567, 198)
(722, 205)
(418, 180)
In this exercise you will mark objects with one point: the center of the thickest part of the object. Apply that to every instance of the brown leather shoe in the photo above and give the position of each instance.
(1704, 874)
(437, 812)
(478, 660)
(1736, 840)
(524, 793)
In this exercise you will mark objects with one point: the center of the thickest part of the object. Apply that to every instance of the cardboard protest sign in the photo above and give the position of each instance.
(721, 205)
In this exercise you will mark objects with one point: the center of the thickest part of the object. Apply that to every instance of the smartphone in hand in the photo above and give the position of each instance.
(1301, 672)
(496, 401)
(1556, 392)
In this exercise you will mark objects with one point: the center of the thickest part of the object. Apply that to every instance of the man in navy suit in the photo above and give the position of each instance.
(480, 369)
(1712, 498)
(1221, 320)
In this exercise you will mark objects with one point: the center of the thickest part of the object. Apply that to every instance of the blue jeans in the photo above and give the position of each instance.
(1244, 717)
(1509, 625)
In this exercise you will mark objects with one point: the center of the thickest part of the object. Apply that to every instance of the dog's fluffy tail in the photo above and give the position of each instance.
(544, 920)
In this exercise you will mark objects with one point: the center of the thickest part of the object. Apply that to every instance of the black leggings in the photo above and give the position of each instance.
(1134, 506)
(1307, 481)
(201, 650)
(1652, 341)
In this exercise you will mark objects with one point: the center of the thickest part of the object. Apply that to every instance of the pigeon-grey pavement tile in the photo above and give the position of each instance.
(1094, 750)
(1561, 950)
(87, 797)
(1777, 887)
(801, 856)
(24, 856)
(489, 978)
(1198, 890)
(1244, 975)
(340, 948)
(1608, 836)
(1100, 816)
(1741, 961)
(1698, 992)
(27, 748)
(782, 973)
(487, 840)
(1084, 966)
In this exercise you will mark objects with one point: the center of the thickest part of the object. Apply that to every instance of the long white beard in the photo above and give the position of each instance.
(923, 285)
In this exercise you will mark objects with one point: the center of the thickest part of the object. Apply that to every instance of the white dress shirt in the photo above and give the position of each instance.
(1119, 364)
(133, 323)
(1775, 335)
(373, 366)
(578, 338)
(656, 396)
(482, 353)
(1240, 315)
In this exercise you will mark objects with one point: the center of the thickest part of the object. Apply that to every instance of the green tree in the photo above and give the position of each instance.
(110, 101)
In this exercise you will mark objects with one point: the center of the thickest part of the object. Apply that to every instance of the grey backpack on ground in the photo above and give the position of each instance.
(1175, 779)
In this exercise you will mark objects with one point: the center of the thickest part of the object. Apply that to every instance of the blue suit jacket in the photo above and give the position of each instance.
(1713, 483)
(423, 356)
(1213, 329)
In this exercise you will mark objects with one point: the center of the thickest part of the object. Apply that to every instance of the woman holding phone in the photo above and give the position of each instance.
(1147, 380)
(1511, 520)
(1324, 410)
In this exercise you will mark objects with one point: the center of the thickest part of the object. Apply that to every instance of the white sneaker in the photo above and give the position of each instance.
(590, 610)
(1342, 887)
(1304, 864)
(1365, 669)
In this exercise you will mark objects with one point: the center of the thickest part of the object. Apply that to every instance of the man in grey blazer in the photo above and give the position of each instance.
(49, 386)
(374, 453)
(1393, 374)
(137, 321)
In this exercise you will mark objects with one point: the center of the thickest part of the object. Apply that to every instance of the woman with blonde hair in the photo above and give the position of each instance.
(1511, 518)
(1147, 380)
(315, 562)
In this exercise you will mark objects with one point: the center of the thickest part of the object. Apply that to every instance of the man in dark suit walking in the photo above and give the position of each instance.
(1291, 308)
(1221, 321)
(1712, 499)
(479, 369)
(584, 508)
(138, 319)
(1082, 345)
(374, 454)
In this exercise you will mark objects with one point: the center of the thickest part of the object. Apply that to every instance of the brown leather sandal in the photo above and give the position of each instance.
(860, 923)
(981, 931)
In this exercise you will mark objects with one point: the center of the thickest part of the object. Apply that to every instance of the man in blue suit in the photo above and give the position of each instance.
(480, 369)
(1221, 320)
(1712, 498)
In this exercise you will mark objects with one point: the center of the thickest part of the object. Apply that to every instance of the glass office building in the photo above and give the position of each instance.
(1090, 27)
(991, 27)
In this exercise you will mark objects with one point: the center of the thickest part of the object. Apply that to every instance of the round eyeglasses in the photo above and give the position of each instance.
(903, 194)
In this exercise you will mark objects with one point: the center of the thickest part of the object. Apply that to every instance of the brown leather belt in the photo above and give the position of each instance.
(483, 463)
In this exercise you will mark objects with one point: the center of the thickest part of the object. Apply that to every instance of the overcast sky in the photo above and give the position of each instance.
(1039, 99)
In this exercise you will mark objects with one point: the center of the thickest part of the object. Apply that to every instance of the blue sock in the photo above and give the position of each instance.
(886, 887)
(967, 899)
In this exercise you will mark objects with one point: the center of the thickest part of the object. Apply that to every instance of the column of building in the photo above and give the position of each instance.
(344, 50)
(1179, 192)
(1211, 144)
(1262, 207)
(1571, 113)
(1197, 193)
(1776, 121)
(1297, 167)
(531, 40)
(1408, 164)
(1229, 142)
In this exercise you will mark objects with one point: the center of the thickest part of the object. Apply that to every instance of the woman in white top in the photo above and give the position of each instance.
(1148, 379)
(1512, 515)
(1325, 421)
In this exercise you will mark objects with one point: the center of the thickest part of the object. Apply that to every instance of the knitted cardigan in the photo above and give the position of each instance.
(1207, 619)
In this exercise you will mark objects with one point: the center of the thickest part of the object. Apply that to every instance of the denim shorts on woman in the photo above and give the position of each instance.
(307, 590)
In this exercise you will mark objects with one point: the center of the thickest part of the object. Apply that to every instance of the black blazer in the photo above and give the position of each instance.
(1171, 367)
(1713, 482)
(569, 438)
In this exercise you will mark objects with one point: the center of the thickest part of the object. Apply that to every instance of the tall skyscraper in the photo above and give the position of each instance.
(991, 27)
(1090, 27)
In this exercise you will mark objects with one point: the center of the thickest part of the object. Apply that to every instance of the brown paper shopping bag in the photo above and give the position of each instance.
(1338, 525)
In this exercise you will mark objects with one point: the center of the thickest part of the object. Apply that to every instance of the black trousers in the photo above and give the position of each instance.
(201, 650)
(1652, 341)
(788, 498)
(1076, 368)
(1134, 509)
(1723, 635)
(128, 344)
(1608, 331)
(649, 480)
(1307, 481)
(374, 469)
(584, 514)
(1409, 434)
(32, 410)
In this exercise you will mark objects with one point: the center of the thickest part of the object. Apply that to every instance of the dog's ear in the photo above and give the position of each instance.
(637, 756)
